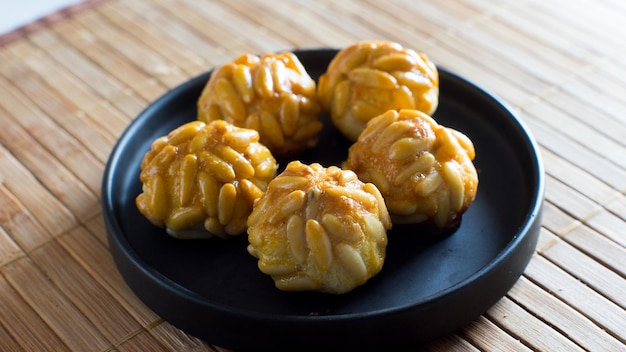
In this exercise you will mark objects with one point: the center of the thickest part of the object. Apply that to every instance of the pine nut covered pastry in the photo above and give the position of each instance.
(423, 170)
(319, 229)
(272, 94)
(368, 78)
(202, 179)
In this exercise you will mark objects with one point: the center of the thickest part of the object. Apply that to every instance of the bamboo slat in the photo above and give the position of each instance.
(179, 33)
(62, 183)
(53, 307)
(32, 215)
(577, 327)
(618, 206)
(609, 224)
(77, 125)
(9, 344)
(576, 178)
(54, 138)
(577, 295)
(26, 326)
(176, 340)
(96, 227)
(487, 336)
(94, 257)
(71, 83)
(26, 232)
(141, 342)
(115, 64)
(145, 62)
(576, 130)
(488, 70)
(567, 149)
(569, 200)
(589, 271)
(453, 343)
(532, 331)
(211, 16)
(600, 247)
(9, 250)
(84, 292)
(106, 117)
(187, 60)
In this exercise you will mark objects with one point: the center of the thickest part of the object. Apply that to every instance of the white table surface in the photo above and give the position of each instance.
(14, 14)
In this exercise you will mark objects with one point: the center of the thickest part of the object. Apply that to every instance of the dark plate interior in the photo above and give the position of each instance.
(213, 290)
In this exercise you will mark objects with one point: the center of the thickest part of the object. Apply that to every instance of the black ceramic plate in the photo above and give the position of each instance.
(213, 290)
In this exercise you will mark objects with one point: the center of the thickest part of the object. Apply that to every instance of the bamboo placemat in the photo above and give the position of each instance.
(71, 83)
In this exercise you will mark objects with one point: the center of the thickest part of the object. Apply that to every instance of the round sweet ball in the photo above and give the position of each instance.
(272, 94)
(319, 229)
(370, 77)
(424, 171)
(202, 179)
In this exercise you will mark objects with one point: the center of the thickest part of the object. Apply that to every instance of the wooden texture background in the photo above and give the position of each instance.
(72, 82)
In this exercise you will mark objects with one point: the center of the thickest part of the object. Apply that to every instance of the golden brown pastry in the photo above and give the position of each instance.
(272, 94)
(368, 78)
(319, 229)
(423, 170)
(203, 179)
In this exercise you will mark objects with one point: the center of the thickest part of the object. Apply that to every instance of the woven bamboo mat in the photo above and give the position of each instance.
(71, 83)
